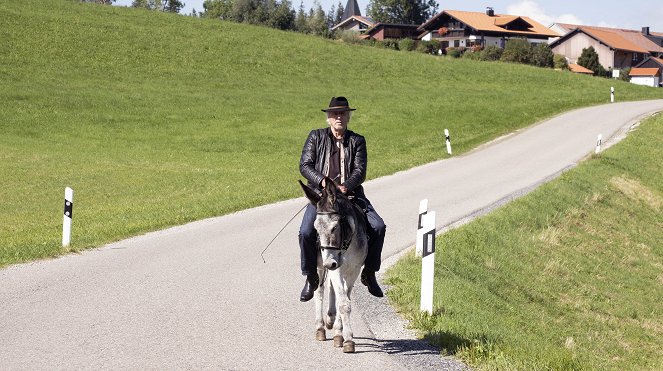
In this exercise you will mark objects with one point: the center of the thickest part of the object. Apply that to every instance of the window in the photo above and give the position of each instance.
(456, 43)
(635, 57)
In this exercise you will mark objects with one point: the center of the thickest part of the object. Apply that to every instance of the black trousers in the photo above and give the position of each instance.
(308, 240)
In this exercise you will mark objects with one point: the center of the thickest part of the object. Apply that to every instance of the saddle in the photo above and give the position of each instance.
(361, 205)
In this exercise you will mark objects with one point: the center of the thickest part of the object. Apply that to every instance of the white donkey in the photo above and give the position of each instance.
(341, 228)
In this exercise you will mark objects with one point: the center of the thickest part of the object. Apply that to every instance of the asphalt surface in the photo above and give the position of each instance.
(199, 296)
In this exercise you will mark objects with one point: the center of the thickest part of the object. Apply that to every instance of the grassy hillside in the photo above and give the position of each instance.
(567, 277)
(158, 119)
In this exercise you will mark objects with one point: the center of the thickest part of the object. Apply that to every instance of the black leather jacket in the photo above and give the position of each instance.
(314, 163)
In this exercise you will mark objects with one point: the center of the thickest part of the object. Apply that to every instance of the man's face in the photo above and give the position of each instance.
(338, 120)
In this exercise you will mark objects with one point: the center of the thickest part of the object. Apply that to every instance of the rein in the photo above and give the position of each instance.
(286, 224)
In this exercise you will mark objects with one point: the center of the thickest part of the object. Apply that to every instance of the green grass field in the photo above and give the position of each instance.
(567, 277)
(159, 119)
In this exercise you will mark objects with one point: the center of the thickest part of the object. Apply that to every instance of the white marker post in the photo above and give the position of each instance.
(598, 144)
(423, 209)
(612, 94)
(428, 262)
(448, 140)
(68, 210)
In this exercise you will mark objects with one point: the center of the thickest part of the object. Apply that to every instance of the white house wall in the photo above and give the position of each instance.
(489, 40)
(645, 80)
(572, 49)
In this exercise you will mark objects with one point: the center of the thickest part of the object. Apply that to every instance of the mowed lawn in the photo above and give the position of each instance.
(567, 277)
(159, 119)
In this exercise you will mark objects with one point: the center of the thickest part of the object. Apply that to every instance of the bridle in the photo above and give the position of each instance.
(345, 239)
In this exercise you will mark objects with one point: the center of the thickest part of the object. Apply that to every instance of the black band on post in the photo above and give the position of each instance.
(428, 248)
(68, 208)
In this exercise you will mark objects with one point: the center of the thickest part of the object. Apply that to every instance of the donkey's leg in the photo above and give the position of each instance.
(345, 308)
(331, 306)
(320, 334)
(339, 324)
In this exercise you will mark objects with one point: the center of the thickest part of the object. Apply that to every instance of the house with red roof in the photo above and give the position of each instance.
(356, 23)
(616, 48)
(455, 28)
(353, 20)
(652, 62)
(646, 76)
(381, 31)
(369, 29)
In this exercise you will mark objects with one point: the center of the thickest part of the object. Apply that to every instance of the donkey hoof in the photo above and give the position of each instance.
(320, 335)
(349, 346)
(330, 325)
(338, 341)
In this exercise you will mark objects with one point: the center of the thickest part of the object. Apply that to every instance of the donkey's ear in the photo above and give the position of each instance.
(330, 188)
(312, 195)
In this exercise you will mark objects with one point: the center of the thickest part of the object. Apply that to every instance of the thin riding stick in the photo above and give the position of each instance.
(286, 224)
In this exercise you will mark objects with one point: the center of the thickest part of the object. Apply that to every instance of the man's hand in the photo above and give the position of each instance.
(341, 187)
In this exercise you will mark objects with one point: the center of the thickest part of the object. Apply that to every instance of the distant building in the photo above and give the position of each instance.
(652, 62)
(646, 76)
(351, 8)
(381, 31)
(454, 28)
(356, 23)
(353, 20)
(616, 48)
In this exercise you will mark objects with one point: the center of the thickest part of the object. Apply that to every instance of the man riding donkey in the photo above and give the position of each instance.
(339, 154)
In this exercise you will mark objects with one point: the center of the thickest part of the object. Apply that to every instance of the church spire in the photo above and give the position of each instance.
(351, 8)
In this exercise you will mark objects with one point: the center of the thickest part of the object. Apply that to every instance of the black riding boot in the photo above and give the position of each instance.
(368, 279)
(310, 286)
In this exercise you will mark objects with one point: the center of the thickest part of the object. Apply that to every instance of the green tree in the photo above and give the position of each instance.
(282, 16)
(141, 4)
(317, 21)
(102, 2)
(516, 50)
(244, 11)
(331, 16)
(560, 62)
(590, 60)
(541, 55)
(401, 11)
(301, 20)
(221, 9)
(491, 53)
(338, 17)
(624, 74)
(172, 6)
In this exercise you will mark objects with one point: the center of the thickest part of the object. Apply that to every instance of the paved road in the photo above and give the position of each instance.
(198, 296)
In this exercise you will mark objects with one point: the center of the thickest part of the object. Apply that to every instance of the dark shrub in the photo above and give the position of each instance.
(491, 53)
(590, 60)
(428, 47)
(387, 44)
(476, 48)
(560, 62)
(407, 45)
(624, 74)
(455, 52)
(470, 54)
(517, 51)
(349, 36)
(541, 55)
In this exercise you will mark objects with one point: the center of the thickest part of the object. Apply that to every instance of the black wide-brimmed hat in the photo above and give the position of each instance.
(338, 104)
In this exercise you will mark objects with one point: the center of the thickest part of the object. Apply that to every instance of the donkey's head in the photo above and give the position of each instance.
(333, 224)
